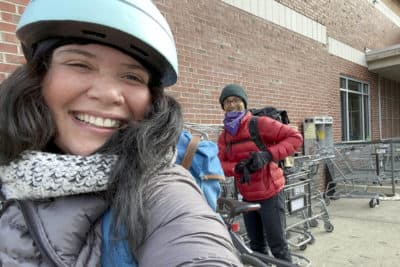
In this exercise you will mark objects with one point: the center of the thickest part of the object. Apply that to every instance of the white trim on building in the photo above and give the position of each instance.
(286, 17)
(283, 16)
(347, 52)
(386, 11)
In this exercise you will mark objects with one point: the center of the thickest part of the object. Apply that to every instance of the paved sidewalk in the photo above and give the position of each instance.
(362, 236)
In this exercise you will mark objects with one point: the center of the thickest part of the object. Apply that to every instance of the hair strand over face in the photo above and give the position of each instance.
(140, 147)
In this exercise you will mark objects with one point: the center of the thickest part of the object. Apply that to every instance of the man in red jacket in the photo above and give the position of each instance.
(257, 175)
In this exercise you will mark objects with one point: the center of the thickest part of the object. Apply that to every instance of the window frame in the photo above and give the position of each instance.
(362, 94)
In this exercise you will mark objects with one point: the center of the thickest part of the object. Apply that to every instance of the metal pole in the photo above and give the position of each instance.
(392, 156)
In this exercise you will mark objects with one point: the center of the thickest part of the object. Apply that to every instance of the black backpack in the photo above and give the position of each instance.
(279, 115)
(276, 114)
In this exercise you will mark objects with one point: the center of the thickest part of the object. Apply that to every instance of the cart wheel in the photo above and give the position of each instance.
(251, 261)
(313, 223)
(327, 201)
(288, 235)
(373, 202)
(303, 247)
(312, 240)
(328, 227)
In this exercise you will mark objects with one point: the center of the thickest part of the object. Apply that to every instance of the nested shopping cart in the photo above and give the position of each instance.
(305, 203)
(365, 170)
(353, 175)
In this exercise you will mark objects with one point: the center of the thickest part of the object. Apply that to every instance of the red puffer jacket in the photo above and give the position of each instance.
(281, 141)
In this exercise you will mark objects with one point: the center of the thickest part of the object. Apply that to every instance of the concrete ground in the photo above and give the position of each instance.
(362, 236)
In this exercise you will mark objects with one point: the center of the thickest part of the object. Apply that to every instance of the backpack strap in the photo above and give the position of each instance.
(38, 234)
(190, 151)
(2, 200)
(255, 134)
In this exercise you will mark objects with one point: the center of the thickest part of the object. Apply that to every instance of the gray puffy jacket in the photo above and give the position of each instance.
(182, 228)
(52, 210)
(69, 229)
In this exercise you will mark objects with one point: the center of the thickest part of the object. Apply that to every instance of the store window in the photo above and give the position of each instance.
(355, 107)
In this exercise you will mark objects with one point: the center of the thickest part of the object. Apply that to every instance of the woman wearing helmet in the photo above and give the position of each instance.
(84, 126)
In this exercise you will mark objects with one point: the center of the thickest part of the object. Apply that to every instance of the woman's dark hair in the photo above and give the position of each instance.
(141, 148)
(25, 120)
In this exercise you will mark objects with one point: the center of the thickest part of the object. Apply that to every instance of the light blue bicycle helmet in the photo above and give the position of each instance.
(134, 26)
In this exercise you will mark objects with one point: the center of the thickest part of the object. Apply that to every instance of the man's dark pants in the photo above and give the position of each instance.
(271, 218)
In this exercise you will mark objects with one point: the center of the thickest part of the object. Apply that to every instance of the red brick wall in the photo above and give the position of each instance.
(357, 22)
(219, 44)
(390, 102)
(223, 44)
(10, 52)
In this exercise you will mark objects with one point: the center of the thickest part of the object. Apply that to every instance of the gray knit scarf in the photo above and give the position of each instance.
(39, 175)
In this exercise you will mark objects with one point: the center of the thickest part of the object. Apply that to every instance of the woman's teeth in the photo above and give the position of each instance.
(98, 121)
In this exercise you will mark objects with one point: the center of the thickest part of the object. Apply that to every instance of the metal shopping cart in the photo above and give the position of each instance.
(207, 131)
(305, 201)
(298, 210)
(353, 173)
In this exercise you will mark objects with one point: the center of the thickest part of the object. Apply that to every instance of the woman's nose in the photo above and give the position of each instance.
(107, 91)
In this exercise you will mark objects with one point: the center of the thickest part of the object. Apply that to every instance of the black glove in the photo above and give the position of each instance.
(246, 176)
(242, 168)
(258, 160)
(239, 168)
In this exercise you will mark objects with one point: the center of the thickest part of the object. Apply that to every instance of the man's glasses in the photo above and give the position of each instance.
(233, 100)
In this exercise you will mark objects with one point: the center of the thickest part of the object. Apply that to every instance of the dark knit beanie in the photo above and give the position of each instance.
(233, 90)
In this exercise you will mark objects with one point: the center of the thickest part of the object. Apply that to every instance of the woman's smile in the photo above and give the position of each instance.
(96, 121)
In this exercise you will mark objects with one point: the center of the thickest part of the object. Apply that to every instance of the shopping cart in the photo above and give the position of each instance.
(207, 131)
(298, 210)
(305, 202)
(353, 174)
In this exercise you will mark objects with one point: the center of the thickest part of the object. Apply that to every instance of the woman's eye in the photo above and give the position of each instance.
(79, 65)
(132, 77)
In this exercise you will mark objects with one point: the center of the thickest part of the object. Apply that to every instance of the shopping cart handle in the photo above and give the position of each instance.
(236, 207)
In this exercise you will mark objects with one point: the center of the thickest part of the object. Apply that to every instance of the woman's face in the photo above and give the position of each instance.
(92, 90)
